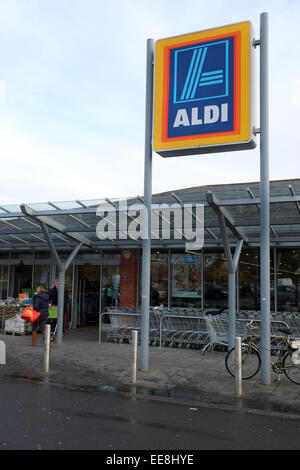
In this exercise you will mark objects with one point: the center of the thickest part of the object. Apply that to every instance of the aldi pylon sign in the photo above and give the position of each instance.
(203, 95)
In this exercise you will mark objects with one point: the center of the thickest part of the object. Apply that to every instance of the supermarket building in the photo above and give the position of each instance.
(105, 272)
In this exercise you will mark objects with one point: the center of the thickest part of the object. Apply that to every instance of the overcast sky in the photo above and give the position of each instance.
(72, 96)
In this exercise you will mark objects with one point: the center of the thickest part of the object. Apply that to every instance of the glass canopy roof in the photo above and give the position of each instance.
(73, 222)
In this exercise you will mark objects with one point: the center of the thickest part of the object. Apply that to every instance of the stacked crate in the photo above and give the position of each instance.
(16, 325)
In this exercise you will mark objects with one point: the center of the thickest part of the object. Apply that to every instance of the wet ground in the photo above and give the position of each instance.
(38, 416)
(83, 363)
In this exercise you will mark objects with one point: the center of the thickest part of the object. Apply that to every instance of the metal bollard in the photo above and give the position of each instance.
(2, 353)
(47, 347)
(238, 366)
(134, 356)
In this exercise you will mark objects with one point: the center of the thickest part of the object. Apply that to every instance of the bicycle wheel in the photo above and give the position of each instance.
(250, 362)
(291, 371)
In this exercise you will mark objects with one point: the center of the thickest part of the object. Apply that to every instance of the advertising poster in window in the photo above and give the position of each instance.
(186, 277)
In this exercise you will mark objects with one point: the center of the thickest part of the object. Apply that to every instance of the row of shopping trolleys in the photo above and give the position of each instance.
(186, 328)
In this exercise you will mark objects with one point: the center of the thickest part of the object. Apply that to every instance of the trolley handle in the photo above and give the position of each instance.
(251, 325)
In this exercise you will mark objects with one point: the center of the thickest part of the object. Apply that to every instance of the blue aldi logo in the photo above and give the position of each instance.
(201, 88)
(202, 76)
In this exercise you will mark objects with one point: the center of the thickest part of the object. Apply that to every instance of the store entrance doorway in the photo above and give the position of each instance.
(89, 284)
(88, 294)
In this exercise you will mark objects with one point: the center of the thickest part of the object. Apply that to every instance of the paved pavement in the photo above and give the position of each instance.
(82, 362)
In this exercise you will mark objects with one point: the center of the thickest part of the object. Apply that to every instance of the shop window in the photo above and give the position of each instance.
(216, 280)
(88, 293)
(68, 289)
(186, 280)
(3, 282)
(41, 276)
(22, 279)
(110, 288)
(249, 280)
(159, 279)
(288, 280)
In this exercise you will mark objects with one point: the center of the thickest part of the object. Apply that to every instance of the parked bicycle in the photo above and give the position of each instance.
(287, 353)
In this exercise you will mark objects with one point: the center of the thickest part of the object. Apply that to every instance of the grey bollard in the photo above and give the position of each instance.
(238, 366)
(134, 356)
(2, 353)
(47, 347)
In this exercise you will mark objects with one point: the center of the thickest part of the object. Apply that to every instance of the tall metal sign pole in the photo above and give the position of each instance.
(144, 351)
(203, 103)
(264, 202)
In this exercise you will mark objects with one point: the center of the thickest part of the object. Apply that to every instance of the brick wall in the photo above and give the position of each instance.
(128, 278)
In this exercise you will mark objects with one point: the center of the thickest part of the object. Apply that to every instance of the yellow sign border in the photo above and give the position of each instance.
(245, 134)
